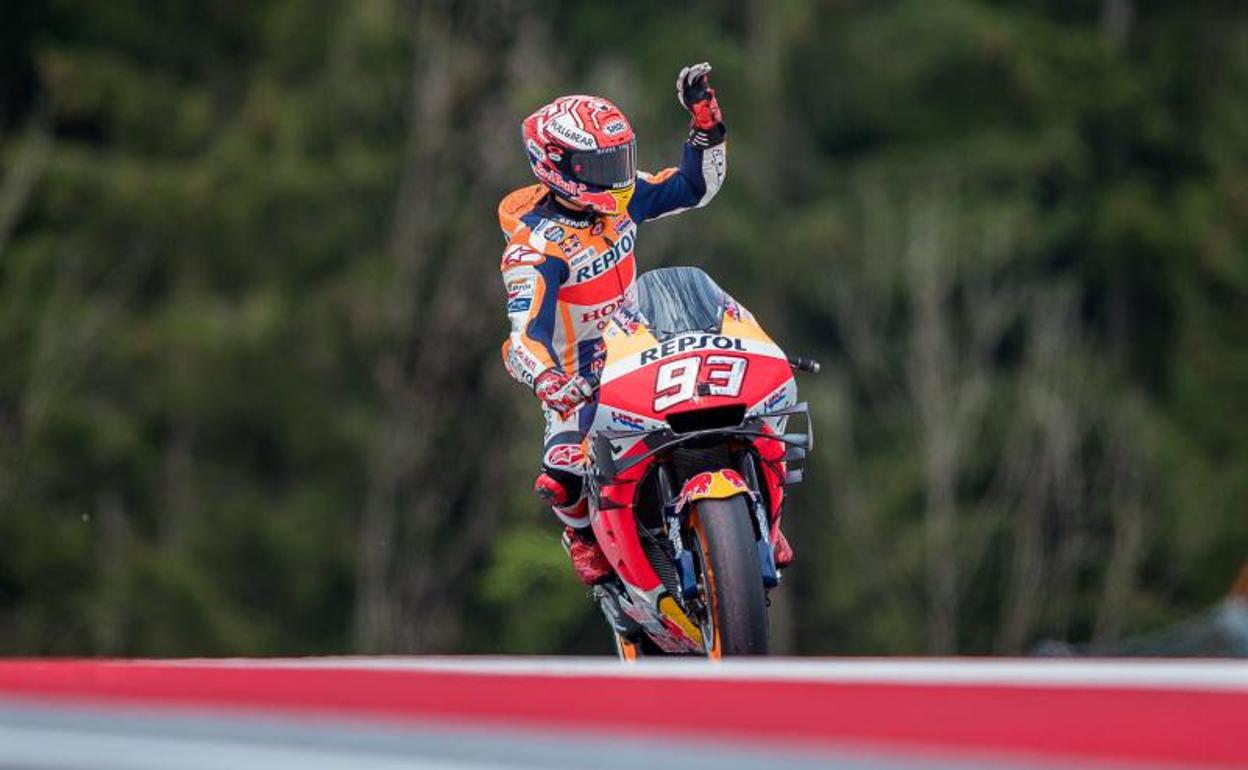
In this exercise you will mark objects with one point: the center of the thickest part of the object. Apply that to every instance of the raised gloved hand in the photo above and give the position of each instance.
(694, 91)
(561, 391)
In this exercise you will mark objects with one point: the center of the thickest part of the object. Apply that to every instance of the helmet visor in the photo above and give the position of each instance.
(611, 167)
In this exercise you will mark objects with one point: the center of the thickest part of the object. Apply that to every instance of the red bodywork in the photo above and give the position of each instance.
(639, 391)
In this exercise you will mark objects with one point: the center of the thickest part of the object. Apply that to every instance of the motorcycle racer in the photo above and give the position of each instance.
(569, 264)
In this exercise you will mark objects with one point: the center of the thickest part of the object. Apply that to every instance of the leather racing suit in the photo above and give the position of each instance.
(566, 272)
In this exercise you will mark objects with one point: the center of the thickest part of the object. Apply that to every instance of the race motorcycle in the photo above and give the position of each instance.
(689, 454)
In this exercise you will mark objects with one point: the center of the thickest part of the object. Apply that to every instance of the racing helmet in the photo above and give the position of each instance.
(584, 150)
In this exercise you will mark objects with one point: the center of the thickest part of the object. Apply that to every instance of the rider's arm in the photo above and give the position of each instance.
(705, 163)
(532, 280)
(691, 185)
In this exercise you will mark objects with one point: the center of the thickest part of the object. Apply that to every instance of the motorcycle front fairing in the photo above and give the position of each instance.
(685, 363)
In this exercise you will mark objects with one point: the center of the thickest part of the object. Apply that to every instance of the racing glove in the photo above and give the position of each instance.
(561, 391)
(694, 91)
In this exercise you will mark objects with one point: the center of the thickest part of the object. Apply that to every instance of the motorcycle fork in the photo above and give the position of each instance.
(681, 557)
(762, 525)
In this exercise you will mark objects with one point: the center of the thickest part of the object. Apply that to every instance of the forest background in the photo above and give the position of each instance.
(251, 400)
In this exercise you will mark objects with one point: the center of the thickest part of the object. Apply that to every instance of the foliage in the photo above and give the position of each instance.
(251, 401)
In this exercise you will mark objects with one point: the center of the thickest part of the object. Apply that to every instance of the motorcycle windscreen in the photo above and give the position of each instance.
(674, 300)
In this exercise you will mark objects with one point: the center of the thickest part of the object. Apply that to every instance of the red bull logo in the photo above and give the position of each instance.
(699, 485)
(717, 485)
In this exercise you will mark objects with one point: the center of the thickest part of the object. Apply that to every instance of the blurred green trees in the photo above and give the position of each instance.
(251, 400)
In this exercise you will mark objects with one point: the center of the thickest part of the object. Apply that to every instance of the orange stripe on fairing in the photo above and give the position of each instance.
(604, 288)
(569, 348)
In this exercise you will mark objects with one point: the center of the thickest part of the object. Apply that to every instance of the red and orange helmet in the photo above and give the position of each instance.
(583, 149)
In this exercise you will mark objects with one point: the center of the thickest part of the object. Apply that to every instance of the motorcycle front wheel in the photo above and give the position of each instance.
(734, 604)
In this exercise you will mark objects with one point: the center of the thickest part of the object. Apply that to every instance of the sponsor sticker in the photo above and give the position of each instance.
(736, 312)
(674, 618)
(523, 360)
(704, 485)
(621, 249)
(573, 189)
(519, 305)
(614, 127)
(719, 160)
(554, 233)
(697, 486)
(600, 315)
(627, 421)
(519, 254)
(628, 319)
(521, 288)
(690, 342)
(564, 456)
(571, 134)
(775, 400)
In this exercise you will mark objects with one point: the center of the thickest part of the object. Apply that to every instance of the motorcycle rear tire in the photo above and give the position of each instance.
(731, 577)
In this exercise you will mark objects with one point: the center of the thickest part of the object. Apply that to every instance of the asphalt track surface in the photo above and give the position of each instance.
(474, 714)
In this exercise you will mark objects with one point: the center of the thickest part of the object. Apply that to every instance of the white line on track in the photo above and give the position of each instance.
(1137, 673)
(82, 738)
(56, 749)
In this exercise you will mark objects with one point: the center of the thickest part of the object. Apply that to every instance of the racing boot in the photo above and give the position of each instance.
(588, 560)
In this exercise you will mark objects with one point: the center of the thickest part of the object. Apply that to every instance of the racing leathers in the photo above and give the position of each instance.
(566, 272)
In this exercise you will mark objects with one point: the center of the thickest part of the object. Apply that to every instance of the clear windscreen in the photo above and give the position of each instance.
(680, 299)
